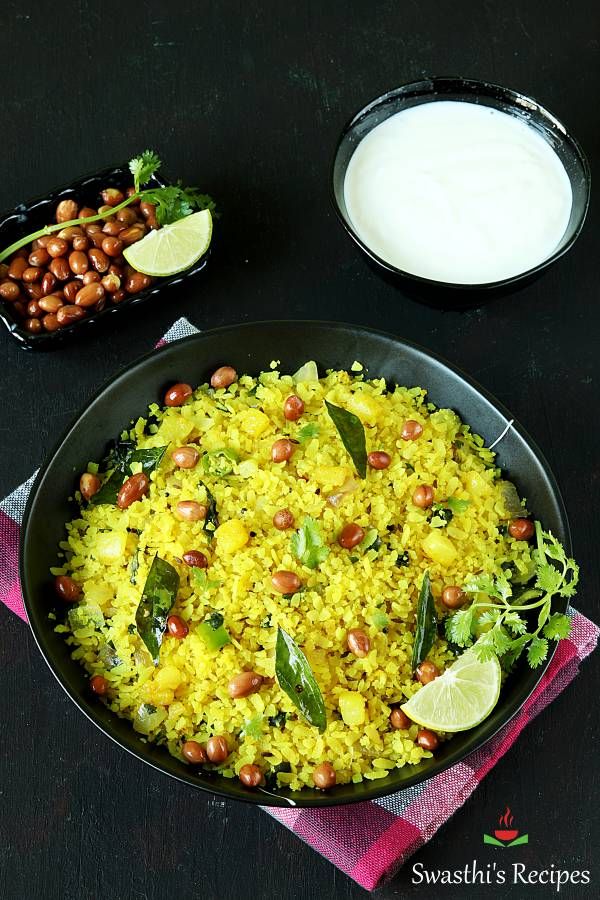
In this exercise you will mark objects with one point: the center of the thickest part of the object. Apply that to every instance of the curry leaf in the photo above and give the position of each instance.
(157, 600)
(211, 522)
(123, 457)
(352, 433)
(296, 679)
(425, 630)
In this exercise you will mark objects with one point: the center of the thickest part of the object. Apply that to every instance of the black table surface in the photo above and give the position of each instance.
(247, 100)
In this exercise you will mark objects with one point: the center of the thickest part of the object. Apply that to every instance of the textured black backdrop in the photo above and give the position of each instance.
(246, 100)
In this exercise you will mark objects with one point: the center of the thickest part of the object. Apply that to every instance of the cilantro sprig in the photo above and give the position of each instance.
(508, 633)
(172, 202)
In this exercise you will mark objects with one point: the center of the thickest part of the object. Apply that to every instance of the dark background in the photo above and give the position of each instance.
(247, 100)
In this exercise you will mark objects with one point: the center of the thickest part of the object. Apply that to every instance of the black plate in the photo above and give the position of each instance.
(250, 348)
(28, 217)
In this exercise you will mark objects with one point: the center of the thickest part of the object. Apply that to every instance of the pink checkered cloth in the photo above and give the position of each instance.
(368, 841)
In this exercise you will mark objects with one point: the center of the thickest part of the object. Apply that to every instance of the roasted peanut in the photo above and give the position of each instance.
(244, 684)
(66, 210)
(89, 295)
(132, 490)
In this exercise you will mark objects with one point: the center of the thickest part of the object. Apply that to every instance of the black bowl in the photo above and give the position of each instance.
(250, 348)
(481, 92)
(28, 217)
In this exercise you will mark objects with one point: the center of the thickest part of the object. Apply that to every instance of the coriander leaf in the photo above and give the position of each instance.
(483, 649)
(380, 620)
(296, 678)
(352, 433)
(482, 583)
(426, 625)
(143, 167)
(459, 627)
(252, 728)
(513, 653)
(569, 589)
(308, 545)
(537, 652)
(489, 617)
(457, 506)
(557, 627)
(307, 432)
(514, 621)
(501, 640)
(199, 201)
(551, 545)
(219, 463)
(503, 586)
(174, 202)
(548, 578)
(201, 582)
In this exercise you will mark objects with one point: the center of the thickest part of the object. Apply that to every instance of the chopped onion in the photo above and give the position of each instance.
(348, 487)
(147, 718)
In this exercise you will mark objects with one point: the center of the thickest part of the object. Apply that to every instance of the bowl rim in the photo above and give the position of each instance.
(467, 86)
(52, 340)
(263, 797)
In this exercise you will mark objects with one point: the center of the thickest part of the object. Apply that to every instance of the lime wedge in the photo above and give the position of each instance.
(172, 248)
(462, 697)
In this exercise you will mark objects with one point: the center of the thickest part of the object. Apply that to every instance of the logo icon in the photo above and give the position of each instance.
(505, 835)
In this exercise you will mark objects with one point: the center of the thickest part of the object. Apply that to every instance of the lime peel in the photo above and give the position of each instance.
(459, 699)
(172, 248)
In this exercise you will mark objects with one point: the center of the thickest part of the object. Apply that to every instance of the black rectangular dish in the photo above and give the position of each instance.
(33, 214)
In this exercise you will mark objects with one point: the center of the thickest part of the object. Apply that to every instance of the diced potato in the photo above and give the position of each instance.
(254, 423)
(98, 592)
(331, 476)
(232, 536)
(352, 707)
(366, 407)
(476, 484)
(169, 677)
(439, 548)
(110, 546)
(157, 695)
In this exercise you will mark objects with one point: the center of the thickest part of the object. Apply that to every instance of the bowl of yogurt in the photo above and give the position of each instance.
(460, 184)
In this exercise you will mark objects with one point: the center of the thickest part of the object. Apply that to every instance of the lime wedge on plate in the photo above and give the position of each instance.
(462, 697)
(172, 248)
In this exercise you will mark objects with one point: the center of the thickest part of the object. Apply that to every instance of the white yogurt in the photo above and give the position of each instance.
(458, 192)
